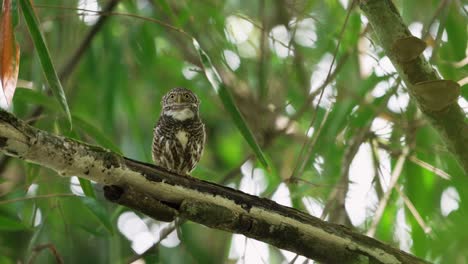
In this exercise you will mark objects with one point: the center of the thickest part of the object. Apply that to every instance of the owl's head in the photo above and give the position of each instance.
(180, 104)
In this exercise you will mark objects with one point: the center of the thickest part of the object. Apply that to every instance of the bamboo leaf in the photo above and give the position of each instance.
(228, 102)
(9, 56)
(99, 211)
(10, 224)
(33, 96)
(44, 57)
(100, 137)
(87, 188)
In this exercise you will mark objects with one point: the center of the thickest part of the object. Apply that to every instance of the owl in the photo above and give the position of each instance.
(179, 134)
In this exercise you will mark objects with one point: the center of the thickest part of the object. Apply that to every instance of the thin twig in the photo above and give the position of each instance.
(294, 259)
(426, 30)
(393, 181)
(37, 249)
(430, 167)
(325, 83)
(262, 61)
(69, 67)
(338, 195)
(306, 145)
(313, 141)
(105, 13)
(440, 32)
(427, 229)
(164, 233)
(73, 61)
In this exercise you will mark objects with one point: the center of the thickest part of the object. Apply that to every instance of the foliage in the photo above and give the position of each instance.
(273, 58)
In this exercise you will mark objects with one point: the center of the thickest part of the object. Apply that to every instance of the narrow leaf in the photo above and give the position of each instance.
(9, 224)
(100, 137)
(44, 56)
(226, 98)
(9, 56)
(99, 212)
(87, 188)
(31, 96)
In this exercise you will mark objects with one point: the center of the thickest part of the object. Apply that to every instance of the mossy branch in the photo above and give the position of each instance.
(164, 196)
(436, 98)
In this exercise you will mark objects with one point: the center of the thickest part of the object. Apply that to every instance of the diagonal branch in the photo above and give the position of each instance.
(436, 98)
(137, 184)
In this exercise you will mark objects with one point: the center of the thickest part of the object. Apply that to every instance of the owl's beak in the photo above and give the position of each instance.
(179, 98)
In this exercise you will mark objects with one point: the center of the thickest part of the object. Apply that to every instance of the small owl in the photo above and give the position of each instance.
(179, 134)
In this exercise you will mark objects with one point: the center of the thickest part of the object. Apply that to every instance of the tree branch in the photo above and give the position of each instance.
(436, 98)
(138, 185)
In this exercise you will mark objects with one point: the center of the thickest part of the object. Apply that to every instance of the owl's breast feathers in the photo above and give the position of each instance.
(178, 145)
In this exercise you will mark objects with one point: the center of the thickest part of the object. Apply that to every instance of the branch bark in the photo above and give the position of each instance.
(436, 98)
(161, 194)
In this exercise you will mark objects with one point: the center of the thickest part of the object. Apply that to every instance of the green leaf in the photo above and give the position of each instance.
(35, 97)
(6, 260)
(87, 187)
(32, 171)
(44, 57)
(99, 136)
(226, 98)
(99, 212)
(456, 33)
(14, 13)
(9, 224)
(99, 232)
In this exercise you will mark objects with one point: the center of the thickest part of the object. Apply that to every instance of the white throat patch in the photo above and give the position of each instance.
(181, 115)
(182, 136)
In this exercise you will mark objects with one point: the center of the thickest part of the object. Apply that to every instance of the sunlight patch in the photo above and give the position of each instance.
(384, 67)
(247, 250)
(237, 29)
(382, 127)
(38, 218)
(32, 190)
(232, 59)
(449, 201)
(313, 206)
(398, 102)
(305, 34)
(416, 28)
(282, 195)
(190, 71)
(279, 41)
(317, 79)
(75, 186)
(89, 18)
(172, 240)
(366, 61)
(361, 195)
(402, 232)
(142, 242)
(463, 104)
(130, 225)
(253, 179)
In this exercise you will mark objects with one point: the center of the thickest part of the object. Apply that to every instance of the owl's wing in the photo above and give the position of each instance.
(195, 145)
(158, 144)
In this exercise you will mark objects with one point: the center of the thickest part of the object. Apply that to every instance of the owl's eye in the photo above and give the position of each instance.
(186, 96)
(172, 96)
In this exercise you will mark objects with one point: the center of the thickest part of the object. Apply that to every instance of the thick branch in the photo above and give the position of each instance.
(436, 98)
(137, 184)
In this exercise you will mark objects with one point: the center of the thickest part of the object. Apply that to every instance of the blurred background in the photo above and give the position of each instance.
(332, 157)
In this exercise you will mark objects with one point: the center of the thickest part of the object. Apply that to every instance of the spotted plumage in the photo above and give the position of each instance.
(179, 134)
